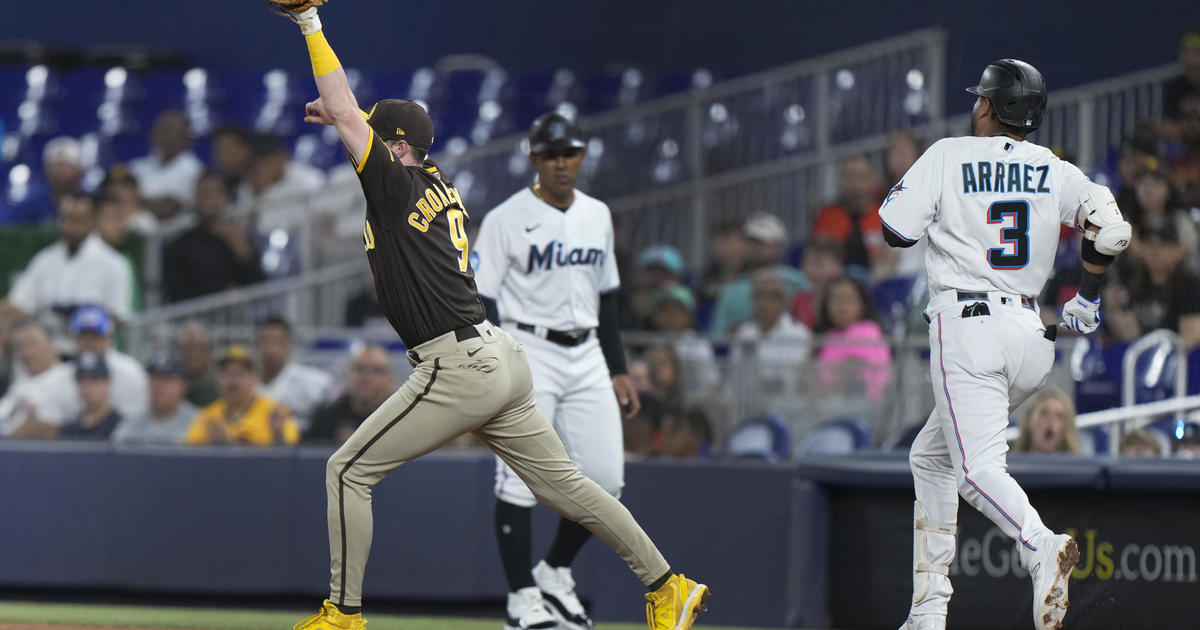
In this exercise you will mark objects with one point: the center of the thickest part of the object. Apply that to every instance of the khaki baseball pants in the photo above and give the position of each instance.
(480, 385)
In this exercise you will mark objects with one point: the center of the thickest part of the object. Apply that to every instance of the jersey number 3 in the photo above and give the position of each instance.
(1014, 239)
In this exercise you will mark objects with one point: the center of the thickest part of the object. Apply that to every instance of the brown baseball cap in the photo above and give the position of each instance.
(402, 119)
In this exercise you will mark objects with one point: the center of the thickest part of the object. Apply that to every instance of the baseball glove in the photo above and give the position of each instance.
(288, 8)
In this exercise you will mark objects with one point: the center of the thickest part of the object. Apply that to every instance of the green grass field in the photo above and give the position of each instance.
(217, 619)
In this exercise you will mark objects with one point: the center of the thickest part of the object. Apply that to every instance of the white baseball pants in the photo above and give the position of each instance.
(982, 367)
(574, 391)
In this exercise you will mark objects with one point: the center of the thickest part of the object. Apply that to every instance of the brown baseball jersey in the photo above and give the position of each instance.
(416, 242)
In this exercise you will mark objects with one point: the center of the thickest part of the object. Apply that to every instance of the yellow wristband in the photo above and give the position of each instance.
(323, 59)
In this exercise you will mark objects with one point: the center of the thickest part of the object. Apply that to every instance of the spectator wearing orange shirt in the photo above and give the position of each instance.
(853, 222)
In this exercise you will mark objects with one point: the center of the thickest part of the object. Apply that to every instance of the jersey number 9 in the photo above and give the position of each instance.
(458, 236)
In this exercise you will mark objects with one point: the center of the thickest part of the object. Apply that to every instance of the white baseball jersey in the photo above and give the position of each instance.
(545, 266)
(990, 207)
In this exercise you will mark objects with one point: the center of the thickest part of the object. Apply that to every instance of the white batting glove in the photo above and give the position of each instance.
(1081, 315)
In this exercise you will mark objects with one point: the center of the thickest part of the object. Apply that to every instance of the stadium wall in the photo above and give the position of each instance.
(823, 542)
(729, 38)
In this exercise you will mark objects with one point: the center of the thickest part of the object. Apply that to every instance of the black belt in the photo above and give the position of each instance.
(978, 308)
(968, 296)
(559, 337)
(465, 333)
(460, 335)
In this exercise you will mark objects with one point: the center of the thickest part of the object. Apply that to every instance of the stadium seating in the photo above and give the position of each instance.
(472, 102)
(765, 438)
(836, 436)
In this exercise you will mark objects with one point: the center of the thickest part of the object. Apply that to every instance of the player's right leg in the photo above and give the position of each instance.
(527, 442)
(935, 514)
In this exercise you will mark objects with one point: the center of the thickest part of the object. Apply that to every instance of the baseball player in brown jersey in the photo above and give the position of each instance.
(468, 376)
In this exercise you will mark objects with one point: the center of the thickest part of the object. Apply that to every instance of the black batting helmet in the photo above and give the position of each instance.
(555, 131)
(1016, 91)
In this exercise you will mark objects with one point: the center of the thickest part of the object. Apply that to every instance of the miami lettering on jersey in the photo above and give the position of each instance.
(1002, 177)
(553, 253)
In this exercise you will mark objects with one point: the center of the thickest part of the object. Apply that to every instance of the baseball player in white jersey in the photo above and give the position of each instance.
(544, 263)
(990, 206)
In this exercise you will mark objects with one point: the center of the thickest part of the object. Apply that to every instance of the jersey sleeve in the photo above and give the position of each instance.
(1074, 183)
(911, 204)
(23, 293)
(489, 258)
(381, 175)
(610, 277)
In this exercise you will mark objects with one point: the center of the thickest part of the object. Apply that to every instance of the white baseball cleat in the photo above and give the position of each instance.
(925, 622)
(558, 591)
(1052, 566)
(527, 611)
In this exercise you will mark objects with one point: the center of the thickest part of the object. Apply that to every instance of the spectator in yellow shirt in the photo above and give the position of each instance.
(240, 415)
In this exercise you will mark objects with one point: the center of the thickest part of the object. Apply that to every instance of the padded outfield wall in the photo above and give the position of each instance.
(810, 544)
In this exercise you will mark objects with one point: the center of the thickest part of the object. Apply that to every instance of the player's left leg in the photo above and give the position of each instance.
(588, 420)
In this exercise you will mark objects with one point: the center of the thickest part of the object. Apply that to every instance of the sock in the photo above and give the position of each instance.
(567, 542)
(513, 533)
(350, 610)
(657, 584)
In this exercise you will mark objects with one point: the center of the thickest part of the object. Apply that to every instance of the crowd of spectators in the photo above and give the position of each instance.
(188, 393)
(796, 310)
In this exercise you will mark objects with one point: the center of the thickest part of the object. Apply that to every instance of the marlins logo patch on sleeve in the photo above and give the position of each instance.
(895, 192)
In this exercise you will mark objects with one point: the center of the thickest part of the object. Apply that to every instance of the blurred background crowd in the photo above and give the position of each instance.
(181, 263)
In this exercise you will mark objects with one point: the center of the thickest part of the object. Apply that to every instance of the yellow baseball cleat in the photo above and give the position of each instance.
(330, 618)
(676, 605)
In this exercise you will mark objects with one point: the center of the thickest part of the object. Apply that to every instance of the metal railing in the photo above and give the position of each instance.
(1091, 120)
(315, 298)
(794, 187)
(803, 107)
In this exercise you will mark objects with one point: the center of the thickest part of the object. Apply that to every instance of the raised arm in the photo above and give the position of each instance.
(336, 105)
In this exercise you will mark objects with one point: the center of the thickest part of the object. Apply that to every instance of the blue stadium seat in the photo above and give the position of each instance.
(764, 438)
(1095, 440)
(835, 436)
(1097, 374)
(892, 297)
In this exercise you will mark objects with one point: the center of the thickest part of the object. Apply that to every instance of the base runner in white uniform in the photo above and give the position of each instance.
(545, 259)
(990, 206)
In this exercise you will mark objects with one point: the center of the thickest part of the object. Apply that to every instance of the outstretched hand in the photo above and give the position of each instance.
(314, 112)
